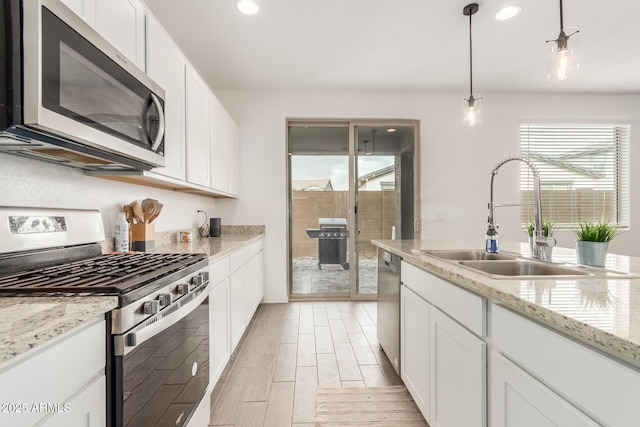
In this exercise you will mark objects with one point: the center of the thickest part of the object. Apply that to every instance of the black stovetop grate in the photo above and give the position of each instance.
(111, 274)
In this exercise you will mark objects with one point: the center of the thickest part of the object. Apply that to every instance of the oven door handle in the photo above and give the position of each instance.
(126, 342)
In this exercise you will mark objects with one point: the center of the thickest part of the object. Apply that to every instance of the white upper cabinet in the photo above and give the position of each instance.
(219, 147)
(198, 129)
(122, 23)
(233, 156)
(85, 9)
(166, 66)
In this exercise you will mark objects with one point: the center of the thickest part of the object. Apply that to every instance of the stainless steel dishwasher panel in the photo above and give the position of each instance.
(389, 306)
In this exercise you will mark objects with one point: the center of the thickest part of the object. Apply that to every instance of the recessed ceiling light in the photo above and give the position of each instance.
(391, 130)
(248, 7)
(508, 12)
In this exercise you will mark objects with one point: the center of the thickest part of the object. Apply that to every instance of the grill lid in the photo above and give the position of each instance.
(337, 223)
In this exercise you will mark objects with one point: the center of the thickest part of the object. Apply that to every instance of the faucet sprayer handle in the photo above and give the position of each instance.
(546, 241)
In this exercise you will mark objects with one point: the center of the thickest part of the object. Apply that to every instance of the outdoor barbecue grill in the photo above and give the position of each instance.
(332, 235)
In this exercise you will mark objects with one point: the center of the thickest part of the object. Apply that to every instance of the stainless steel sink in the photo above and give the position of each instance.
(467, 255)
(524, 268)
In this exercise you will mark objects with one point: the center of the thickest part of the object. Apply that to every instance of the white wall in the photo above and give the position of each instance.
(26, 182)
(455, 161)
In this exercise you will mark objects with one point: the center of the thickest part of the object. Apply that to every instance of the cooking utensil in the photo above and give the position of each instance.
(147, 202)
(138, 214)
(157, 207)
(149, 210)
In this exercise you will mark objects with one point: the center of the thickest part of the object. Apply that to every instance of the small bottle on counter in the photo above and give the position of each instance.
(122, 234)
(393, 233)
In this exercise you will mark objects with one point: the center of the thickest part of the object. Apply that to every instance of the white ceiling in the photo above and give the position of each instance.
(402, 45)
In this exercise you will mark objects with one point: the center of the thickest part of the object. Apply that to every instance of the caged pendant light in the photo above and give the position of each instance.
(472, 105)
(563, 56)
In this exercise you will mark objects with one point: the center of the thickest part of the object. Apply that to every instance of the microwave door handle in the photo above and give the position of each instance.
(160, 135)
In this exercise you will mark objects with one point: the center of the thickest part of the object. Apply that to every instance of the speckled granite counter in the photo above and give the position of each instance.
(26, 322)
(604, 313)
(214, 247)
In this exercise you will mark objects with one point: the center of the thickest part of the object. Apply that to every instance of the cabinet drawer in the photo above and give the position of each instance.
(218, 270)
(53, 374)
(237, 259)
(466, 308)
(600, 386)
(254, 248)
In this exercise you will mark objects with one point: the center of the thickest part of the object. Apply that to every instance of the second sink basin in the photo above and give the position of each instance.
(523, 268)
(467, 255)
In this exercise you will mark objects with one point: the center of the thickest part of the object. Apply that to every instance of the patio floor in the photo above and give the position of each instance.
(332, 278)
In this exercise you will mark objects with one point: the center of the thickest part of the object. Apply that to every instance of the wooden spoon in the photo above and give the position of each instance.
(138, 214)
(149, 210)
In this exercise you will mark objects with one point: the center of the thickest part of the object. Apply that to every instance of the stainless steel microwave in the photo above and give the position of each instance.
(71, 98)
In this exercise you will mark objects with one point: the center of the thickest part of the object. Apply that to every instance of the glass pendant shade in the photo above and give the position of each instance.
(472, 111)
(563, 54)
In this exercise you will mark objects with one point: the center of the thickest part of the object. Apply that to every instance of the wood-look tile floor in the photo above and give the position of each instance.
(291, 349)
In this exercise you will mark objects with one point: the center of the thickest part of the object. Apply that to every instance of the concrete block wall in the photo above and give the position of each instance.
(376, 213)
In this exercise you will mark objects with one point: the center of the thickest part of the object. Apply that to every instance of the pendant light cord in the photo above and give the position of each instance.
(561, 20)
(471, 59)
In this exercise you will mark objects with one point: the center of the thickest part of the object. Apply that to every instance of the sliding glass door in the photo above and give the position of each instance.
(348, 183)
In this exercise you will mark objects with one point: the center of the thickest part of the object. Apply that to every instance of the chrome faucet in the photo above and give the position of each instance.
(539, 240)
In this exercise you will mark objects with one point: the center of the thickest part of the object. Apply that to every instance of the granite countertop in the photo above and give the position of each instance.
(27, 322)
(214, 247)
(603, 313)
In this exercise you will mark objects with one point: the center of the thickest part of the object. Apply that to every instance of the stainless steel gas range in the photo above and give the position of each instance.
(158, 342)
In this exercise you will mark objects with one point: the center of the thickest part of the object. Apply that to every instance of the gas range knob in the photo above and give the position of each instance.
(151, 307)
(183, 288)
(165, 299)
(205, 276)
(196, 280)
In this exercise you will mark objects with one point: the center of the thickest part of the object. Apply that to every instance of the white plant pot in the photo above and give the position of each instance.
(592, 253)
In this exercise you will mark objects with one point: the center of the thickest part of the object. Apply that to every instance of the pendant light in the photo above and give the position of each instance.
(472, 105)
(248, 7)
(563, 56)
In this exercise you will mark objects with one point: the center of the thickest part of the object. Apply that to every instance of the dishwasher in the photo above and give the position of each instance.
(389, 306)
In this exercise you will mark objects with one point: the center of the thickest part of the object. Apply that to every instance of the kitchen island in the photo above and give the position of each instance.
(518, 351)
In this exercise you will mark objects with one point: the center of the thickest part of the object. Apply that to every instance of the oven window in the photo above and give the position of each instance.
(166, 376)
(82, 83)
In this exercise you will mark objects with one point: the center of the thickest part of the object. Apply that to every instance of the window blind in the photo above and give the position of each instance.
(584, 173)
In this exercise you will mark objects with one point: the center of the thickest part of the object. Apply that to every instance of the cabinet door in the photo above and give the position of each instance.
(233, 156)
(122, 23)
(236, 307)
(253, 285)
(166, 66)
(414, 347)
(87, 409)
(85, 9)
(219, 329)
(518, 400)
(197, 119)
(458, 374)
(219, 155)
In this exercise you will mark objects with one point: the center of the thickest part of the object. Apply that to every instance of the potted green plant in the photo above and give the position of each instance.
(592, 242)
(547, 231)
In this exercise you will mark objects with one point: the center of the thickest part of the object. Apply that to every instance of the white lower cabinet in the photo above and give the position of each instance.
(443, 364)
(519, 400)
(60, 384)
(236, 307)
(457, 374)
(241, 275)
(219, 347)
(86, 409)
(414, 350)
